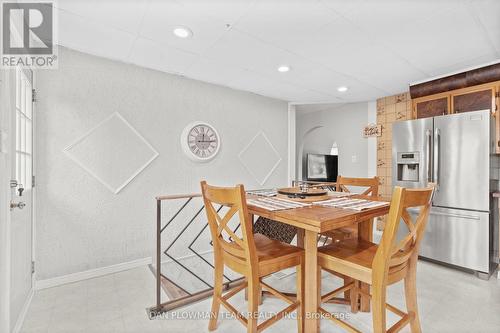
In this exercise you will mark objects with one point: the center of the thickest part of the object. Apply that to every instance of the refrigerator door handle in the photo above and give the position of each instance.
(437, 160)
(429, 155)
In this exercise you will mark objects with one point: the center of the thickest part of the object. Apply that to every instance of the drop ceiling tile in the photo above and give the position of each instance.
(266, 86)
(380, 67)
(437, 42)
(299, 94)
(249, 81)
(329, 40)
(325, 80)
(388, 15)
(163, 16)
(91, 37)
(241, 50)
(213, 71)
(244, 51)
(344, 7)
(125, 14)
(284, 22)
(488, 12)
(224, 11)
(358, 59)
(153, 55)
(464, 65)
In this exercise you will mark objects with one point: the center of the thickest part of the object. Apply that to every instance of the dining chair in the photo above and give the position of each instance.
(253, 255)
(369, 186)
(363, 186)
(381, 265)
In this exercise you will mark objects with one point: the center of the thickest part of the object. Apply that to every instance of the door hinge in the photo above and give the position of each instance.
(497, 94)
(33, 181)
(32, 267)
(33, 95)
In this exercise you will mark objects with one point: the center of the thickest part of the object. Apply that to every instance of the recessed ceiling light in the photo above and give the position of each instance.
(182, 32)
(284, 68)
(342, 89)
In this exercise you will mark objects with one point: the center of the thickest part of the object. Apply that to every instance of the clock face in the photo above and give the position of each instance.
(201, 141)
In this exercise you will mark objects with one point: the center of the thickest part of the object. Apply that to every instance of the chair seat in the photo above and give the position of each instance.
(275, 256)
(356, 255)
(356, 251)
(348, 256)
(270, 249)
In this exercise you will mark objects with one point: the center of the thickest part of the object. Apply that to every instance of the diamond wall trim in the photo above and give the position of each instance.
(273, 168)
(115, 190)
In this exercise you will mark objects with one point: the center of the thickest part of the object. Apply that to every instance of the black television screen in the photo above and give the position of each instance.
(323, 168)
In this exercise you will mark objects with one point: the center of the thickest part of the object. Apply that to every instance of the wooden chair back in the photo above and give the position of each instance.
(392, 253)
(371, 184)
(225, 241)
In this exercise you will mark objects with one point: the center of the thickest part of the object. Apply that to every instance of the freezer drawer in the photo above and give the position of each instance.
(457, 237)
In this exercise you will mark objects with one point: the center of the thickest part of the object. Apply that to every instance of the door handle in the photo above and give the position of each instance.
(429, 156)
(437, 160)
(19, 205)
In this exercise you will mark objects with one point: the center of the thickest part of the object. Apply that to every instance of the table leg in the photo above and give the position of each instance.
(311, 319)
(300, 237)
(365, 232)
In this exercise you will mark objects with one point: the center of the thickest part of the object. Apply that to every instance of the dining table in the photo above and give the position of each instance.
(310, 222)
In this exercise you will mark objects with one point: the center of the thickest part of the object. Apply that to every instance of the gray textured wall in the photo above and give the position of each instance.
(81, 224)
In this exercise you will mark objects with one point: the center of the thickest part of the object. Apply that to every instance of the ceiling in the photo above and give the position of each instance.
(375, 48)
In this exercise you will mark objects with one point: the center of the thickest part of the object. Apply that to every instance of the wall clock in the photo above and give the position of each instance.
(200, 141)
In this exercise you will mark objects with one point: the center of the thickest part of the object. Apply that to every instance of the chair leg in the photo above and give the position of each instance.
(411, 297)
(261, 295)
(300, 291)
(378, 308)
(347, 294)
(354, 296)
(253, 304)
(318, 283)
(218, 283)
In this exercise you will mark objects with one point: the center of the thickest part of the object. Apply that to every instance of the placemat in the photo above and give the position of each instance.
(355, 204)
(273, 204)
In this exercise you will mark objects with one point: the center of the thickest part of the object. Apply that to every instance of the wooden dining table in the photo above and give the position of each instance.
(310, 222)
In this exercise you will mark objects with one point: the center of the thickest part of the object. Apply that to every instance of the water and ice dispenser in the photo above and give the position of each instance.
(408, 164)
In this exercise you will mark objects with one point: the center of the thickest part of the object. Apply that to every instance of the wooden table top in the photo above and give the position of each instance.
(320, 218)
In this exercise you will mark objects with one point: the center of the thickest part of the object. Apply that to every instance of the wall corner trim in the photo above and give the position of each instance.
(91, 273)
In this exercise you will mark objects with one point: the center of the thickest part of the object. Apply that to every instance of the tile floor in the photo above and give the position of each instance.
(450, 301)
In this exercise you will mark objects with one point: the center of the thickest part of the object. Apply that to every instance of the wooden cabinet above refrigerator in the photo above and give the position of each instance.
(474, 90)
(482, 97)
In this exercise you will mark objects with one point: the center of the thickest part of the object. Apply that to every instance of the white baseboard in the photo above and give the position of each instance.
(24, 311)
(91, 273)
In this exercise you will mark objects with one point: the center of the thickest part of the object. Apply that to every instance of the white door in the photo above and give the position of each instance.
(21, 228)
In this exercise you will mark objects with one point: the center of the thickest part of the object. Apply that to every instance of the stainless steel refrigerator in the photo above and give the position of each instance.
(455, 152)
